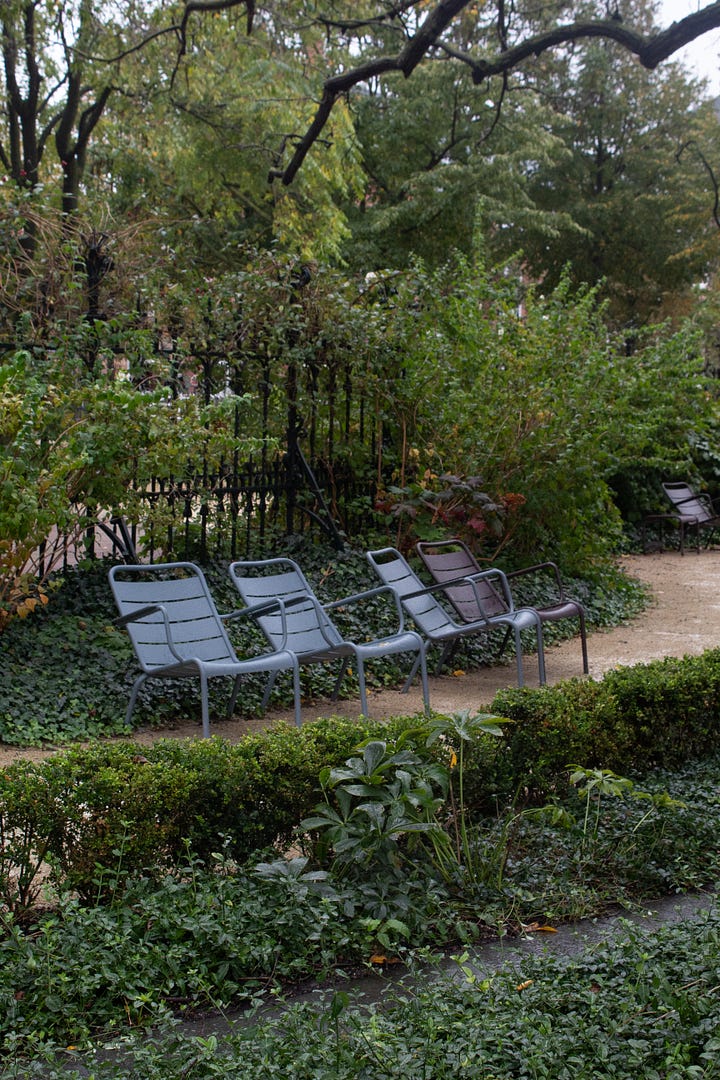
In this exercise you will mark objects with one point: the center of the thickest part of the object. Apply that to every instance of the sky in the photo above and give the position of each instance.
(701, 58)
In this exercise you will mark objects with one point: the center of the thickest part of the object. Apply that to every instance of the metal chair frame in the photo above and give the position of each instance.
(177, 632)
(303, 624)
(434, 621)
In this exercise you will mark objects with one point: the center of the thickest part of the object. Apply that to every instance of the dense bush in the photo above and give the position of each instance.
(102, 813)
(79, 437)
(635, 718)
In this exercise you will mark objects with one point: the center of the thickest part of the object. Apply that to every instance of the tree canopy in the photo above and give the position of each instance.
(386, 130)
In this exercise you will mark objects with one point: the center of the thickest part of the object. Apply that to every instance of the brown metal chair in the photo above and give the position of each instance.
(452, 561)
(435, 623)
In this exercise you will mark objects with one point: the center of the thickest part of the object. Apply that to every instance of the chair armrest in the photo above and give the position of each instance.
(256, 610)
(151, 609)
(535, 568)
(266, 607)
(488, 575)
(471, 580)
(701, 497)
(380, 590)
(140, 613)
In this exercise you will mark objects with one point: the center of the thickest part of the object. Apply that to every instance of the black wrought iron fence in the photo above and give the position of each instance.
(233, 515)
(323, 479)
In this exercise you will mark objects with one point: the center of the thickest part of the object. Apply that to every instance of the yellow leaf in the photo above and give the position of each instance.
(459, 673)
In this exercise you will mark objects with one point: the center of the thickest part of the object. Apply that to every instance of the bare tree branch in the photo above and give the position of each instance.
(714, 183)
(651, 50)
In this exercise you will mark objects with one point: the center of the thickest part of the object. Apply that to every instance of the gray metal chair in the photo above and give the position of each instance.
(306, 628)
(434, 621)
(450, 560)
(692, 510)
(177, 632)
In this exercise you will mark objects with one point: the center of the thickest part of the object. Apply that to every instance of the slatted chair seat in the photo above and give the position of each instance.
(437, 625)
(451, 562)
(304, 626)
(177, 632)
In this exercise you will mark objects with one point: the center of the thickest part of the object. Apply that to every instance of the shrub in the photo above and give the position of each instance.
(650, 715)
(100, 813)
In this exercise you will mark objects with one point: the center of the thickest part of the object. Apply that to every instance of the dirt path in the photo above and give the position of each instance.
(684, 619)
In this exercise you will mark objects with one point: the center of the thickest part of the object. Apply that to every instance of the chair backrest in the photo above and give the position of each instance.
(308, 627)
(197, 630)
(450, 559)
(689, 505)
(394, 570)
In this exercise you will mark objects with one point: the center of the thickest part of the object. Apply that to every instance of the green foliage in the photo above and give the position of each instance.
(462, 149)
(211, 933)
(650, 715)
(210, 940)
(99, 814)
(498, 413)
(380, 807)
(492, 449)
(630, 186)
(434, 507)
(72, 445)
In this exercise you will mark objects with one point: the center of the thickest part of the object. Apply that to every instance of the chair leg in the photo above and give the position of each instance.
(541, 654)
(422, 660)
(339, 680)
(505, 640)
(296, 691)
(268, 689)
(234, 697)
(449, 650)
(519, 658)
(205, 705)
(363, 691)
(133, 698)
(583, 642)
(411, 676)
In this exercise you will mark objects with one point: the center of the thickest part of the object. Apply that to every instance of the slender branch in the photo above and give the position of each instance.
(692, 144)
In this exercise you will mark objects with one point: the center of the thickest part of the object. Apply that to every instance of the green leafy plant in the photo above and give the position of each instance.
(438, 506)
(596, 784)
(457, 731)
(377, 805)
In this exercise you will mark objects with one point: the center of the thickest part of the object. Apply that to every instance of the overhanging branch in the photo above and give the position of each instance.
(650, 50)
